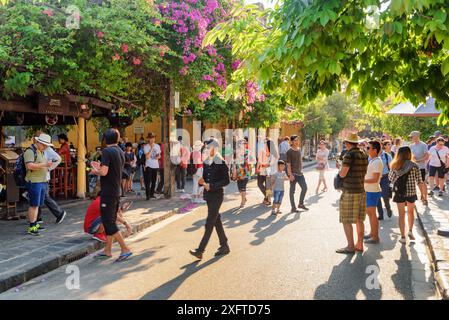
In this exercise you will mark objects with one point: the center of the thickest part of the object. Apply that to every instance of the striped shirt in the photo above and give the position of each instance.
(357, 161)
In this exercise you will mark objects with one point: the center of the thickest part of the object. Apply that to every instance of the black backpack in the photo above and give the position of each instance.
(20, 169)
(400, 185)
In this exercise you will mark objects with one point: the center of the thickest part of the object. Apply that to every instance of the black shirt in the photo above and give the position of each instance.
(114, 158)
(216, 173)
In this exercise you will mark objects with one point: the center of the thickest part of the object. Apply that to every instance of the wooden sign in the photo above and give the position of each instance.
(55, 104)
(138, 130)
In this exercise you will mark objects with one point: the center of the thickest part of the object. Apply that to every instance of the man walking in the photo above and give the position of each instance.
(294, 169)
(215, 178)
(421, 154)
(353, 198)
(283, 148)
(55, 158)
(36, 179)
(152, 153)
(110, 171)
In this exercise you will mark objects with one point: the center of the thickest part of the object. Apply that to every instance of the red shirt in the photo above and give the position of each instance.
(64, 151)
(93, 212)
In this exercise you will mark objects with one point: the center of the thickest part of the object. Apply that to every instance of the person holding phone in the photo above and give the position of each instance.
(152, 153)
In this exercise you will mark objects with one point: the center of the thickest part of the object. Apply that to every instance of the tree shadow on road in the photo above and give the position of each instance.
(166, 290)
(347, 279)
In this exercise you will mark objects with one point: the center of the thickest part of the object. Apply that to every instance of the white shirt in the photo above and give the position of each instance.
(283, 147)
(51, 155)
(374, 166)
(152, 162)
(434, 161)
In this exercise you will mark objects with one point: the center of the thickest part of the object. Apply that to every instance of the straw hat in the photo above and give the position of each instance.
(353, 138)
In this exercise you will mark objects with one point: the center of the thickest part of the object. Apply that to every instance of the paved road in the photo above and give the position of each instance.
(286, 257)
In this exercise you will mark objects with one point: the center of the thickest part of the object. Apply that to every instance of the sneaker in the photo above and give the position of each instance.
(33, 231)
(389, 213)
(440, 194)
(403, 240)
(61, 218)
(159, 196)
(40, 221)
(436, 189)
(99, 237)
(303, 207)
(40, 227)
(182, 191)
(222, 251)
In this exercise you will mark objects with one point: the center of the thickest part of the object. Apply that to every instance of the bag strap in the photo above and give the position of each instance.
(438, 155)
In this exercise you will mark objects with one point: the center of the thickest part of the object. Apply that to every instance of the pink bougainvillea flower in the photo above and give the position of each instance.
(156, 22)
(136, 61)
(235, 65)
(124, 48)
(116, 57)
(208, 77)
(184, 70)
(100, 35)
(204, 96)
(262, 97)
(48, 12)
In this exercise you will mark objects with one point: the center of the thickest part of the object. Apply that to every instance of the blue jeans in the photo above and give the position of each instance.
(277, 196)
(51, 204)
(302, 183)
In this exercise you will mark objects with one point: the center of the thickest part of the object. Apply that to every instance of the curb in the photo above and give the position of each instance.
(71, 255)
(440, 267)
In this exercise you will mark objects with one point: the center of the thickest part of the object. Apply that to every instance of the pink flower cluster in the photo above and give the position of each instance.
(192, 19)
(252, 93)
(235, 65)
(204, 96)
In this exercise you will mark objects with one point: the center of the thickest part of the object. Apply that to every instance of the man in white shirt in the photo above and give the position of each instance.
(51, 155)
(373, 189)
(421, 154)
(283, 148)
(152, 153)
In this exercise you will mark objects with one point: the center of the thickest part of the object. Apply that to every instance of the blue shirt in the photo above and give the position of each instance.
(384, 156)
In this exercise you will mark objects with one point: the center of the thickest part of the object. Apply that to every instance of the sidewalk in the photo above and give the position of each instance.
(432, 218)
(24, 257)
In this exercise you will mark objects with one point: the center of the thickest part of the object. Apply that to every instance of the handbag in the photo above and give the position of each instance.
(338, 182)
(443, 165)
(321, 166)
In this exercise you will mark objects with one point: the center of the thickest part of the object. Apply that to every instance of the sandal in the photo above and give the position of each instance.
(345, 251)
(124, 256)
(102, 256)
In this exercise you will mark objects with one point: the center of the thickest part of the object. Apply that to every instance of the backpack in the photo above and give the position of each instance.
(191, 167)
(20, 169)
(400, 185)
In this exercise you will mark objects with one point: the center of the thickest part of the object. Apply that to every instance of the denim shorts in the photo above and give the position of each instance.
(95, 225)
(372, 198)
(36, 193)
(277, 196)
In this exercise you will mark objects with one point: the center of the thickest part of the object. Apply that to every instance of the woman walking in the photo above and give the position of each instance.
(322, 165)
(242, 168)
(264, 163)
(405, 176)
(439, 161)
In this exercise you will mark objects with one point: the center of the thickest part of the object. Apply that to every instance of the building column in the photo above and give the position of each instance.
(81, 157)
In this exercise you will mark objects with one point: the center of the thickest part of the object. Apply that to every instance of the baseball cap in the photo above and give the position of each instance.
(414, 134)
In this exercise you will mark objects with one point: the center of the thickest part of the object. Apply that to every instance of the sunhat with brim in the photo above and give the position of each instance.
(353, 138)
(197, 145)
(45, 139)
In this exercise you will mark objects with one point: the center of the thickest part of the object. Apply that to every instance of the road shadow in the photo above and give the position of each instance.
(313, 199)
(273, 227)
(166, 290)
(347, 279)
(402, 279)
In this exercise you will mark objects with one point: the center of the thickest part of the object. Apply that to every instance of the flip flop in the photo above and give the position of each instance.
(124, 256)
(345, 251)
(102, 256)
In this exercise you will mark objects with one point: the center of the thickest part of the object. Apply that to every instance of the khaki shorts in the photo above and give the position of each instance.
(352, 207)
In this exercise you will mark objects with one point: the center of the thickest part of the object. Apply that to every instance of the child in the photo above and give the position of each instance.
(277, 181)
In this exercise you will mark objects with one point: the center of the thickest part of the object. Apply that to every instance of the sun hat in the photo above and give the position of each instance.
(45, 139)
(353, 138)
(197, 145)
(151, 135)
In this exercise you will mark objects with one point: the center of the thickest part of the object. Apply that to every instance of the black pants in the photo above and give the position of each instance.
(150, 177)
(108, 209)
(214, 201)
(262, 184)
(386, 195)
(51, 205)
(160, 185)
(180, 175)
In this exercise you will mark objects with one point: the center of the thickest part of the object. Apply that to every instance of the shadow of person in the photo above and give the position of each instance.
(348, 278)
(313, 199)
(274, 227)
(246, 215)
(402, 279)
(166, 290)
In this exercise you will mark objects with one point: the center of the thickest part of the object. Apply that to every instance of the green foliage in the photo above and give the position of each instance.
(301, 49)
